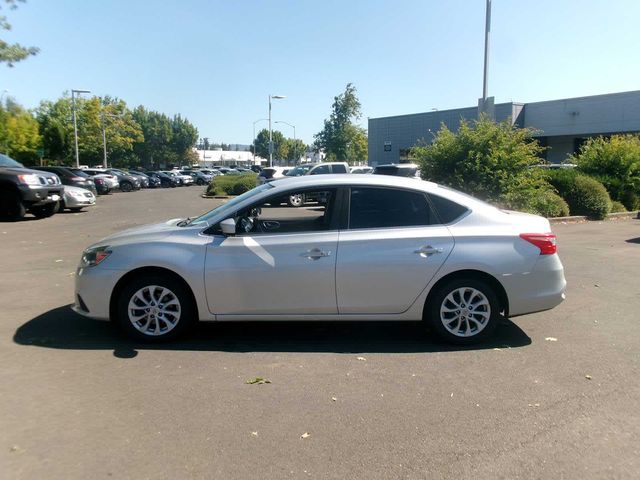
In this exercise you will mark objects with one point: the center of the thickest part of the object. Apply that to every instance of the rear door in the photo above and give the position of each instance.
(392, 248)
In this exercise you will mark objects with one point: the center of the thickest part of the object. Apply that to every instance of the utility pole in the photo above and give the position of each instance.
(486, 104)
(75, 121)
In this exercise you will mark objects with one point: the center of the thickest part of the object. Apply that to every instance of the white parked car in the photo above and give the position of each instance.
(268, 174)
(76, 198)
(187, 180)
(110, 180)
(379, 248)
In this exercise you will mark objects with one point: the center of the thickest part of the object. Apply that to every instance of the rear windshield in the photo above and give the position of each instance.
(396, 171)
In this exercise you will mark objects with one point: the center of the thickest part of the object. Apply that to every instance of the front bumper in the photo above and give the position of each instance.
(36, 196)
(92, 292)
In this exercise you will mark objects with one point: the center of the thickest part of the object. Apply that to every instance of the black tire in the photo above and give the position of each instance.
(61, 206)
(76, 209)
(200, 182)
(185, 318)
(45, 211)
(126, 186)
(296, 200)
(484, 317)
(11, 206)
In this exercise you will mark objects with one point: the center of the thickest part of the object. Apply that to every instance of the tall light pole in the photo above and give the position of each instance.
(254, 137)
(277, 97)
(295, 143)
(487, 30)
(75, 121)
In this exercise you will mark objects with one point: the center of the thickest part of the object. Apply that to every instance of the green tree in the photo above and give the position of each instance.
(342, 139)
(12, 53)
(295, 150)
(280, 146)
(155, 150)
(19, 133)
(615, 162)
(486, 159)
(184, 138)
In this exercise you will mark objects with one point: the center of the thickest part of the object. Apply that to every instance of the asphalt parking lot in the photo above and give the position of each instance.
(555, 395)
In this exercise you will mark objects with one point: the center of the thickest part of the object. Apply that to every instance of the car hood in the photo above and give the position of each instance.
(142, 234)
(26, 171)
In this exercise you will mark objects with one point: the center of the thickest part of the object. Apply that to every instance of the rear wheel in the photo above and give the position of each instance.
(464, 311)
(45, 211)
(155, 308)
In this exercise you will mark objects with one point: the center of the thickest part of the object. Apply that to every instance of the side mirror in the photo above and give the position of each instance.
(228, 227)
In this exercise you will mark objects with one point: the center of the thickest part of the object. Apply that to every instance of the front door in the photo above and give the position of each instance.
(281, 261)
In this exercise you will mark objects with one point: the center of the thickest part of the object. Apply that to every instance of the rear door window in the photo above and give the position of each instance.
(338, 168)
(386, 208)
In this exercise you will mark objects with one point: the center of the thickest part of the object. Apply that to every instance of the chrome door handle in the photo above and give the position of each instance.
(315, 254)
(427, 250)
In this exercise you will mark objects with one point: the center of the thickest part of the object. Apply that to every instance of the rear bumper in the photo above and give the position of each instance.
(541, 289)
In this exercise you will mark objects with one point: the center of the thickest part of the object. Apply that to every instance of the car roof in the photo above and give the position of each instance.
(337, 180)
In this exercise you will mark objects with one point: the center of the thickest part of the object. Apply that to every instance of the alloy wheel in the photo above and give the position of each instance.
(465, 312)
(154, 310)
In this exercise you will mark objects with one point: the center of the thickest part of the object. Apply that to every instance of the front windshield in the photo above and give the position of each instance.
(9, 162)
(226, 207)
(298, 171)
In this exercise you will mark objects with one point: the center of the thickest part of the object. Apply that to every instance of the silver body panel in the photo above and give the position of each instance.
(374, 274)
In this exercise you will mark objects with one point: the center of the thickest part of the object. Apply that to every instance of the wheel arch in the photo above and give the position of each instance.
(476, 275)
(120, 284)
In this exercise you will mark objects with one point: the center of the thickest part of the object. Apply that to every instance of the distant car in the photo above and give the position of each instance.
(126, 182)
(408, 170)
(323, 168)
(555, 166)
(210, 171)
(184, 180)
(198, 176)
(361, 169)
(271, 173)
(142, 179)
(151, 182)
(166, 181)
(76, 198)
(381, 248)
(24, 190)
(110, 180)
(101, 185)
(256, 168)
(72, 178)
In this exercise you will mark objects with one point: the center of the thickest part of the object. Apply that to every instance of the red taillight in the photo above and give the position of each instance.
(546, 242)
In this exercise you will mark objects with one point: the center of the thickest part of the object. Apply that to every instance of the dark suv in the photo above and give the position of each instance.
(23, 189)
(71, 178)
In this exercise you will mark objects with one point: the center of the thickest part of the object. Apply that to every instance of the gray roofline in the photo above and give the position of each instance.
(615, 94)
(440, 111)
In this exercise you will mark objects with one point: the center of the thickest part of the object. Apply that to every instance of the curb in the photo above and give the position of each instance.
(581, 218)
(216, 196)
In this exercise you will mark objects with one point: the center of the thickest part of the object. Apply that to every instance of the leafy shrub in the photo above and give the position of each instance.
(549, 204)
(588, 197)
(232, 184)
(615, 162)
(617, 207)
(489, 160)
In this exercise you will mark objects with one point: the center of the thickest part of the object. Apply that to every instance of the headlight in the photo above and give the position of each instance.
(77, 194)
(29, 179)
(94, 256)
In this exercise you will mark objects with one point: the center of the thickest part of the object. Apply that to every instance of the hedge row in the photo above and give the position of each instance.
(584, 195)
(232, 184)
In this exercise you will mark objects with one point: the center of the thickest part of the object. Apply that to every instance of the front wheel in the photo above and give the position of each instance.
(155, 308)
(45, 211)
(126, 186)
(464, 311)
(296, 200)
(11, 206)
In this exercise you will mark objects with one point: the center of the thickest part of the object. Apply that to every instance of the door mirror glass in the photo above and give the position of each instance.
(228, 227)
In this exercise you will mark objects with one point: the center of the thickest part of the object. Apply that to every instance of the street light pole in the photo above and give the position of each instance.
(487, 31)
(295, 143)
(254, 137)
(75, 121)
(277, 97)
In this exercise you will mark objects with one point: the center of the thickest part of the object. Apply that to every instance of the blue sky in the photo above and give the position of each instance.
(215, 62)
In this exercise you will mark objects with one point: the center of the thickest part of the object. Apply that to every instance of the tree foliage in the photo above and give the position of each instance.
(341, 138)
(489, 160)
(19, 134)
(12, 53)
(615, 162)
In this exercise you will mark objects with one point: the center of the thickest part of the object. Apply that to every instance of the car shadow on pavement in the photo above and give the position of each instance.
(64, 329)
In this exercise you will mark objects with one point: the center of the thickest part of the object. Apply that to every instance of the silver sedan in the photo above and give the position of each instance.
(76, 198)
(370, 247)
